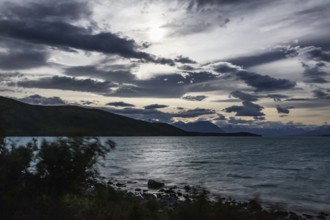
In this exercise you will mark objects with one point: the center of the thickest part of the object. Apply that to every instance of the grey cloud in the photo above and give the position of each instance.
(321, 93)
(59, 10)
(186, 67)
(314, 53)
(67, 83)
(40, 100)
(64, 34)
(247, 109)
(221, 117)
(225, 67)
(143, 114)
(184, 60)
(194, 98)
(172, 85)
(258, 59)
(112, 74)
(191, 113)
(120, 104)
(264, 82)
(277, 97)
(245, 96)
(314, 74)
(155, 106)
(219, 2)
(22, 59)
(260, 82)
(88, 102)
(282, 110)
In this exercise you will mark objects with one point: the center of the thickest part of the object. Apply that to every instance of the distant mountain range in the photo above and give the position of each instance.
(288, 130)
(199, 126)
(21, 119)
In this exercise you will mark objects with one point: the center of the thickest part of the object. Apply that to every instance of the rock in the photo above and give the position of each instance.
(120, 185)
(145, 190)
(293, 216)
(254, 206)
(187, 188)
(179, 194)
(152, 184)
(138, 189)
(148, 196)
(308, 216)
(169, 191)
(110, 183)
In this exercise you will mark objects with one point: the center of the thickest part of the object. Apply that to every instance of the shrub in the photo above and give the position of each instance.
(68, 165)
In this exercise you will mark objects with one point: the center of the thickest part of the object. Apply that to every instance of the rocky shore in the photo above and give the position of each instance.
(172, 196)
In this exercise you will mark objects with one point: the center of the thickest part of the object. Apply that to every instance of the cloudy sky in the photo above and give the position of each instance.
(253, 62)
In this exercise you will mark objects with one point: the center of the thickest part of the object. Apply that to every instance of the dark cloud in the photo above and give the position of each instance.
(171, 85)
(225, 67)
(191, 113)
(277, 97)
(282, 110)
(59, 10)
(264, 82)
(260, 82)
(186, 67)
(194, 98)
(22, 59)
(200, 3)
(155, 106)
(315, 71)
(64, 34)
(314, 53)
(220, 117)
(84, 102)
(120, 104)
(40, 100)
(68, 83)
(112, 74)
(143, 114)
(321, 93)
(315, 74)
(247, 109)
(258, 59)
(184, 60)
(245, 96)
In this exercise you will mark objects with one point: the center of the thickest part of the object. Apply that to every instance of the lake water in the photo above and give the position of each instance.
(292, 172)
(289, 171)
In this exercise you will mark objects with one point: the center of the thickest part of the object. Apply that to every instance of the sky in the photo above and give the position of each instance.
(231, 62)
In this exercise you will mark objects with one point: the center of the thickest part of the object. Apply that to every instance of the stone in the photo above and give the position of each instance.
(120, 185)
(152, 184)
(187, 188)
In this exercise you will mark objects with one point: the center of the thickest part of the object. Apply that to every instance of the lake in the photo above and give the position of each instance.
(293, 172)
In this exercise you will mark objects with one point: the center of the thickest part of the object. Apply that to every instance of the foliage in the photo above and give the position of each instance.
(69, 164)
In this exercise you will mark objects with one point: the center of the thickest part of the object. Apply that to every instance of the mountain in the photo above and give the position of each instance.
(320, 131)
(199, 126)
(21, 119)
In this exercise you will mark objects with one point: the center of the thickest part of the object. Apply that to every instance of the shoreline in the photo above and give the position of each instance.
(172, 196)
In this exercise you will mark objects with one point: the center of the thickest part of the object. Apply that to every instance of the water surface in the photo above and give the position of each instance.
(293, 171)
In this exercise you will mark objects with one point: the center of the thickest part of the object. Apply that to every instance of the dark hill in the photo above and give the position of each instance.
(20, 119)
(33, 120)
